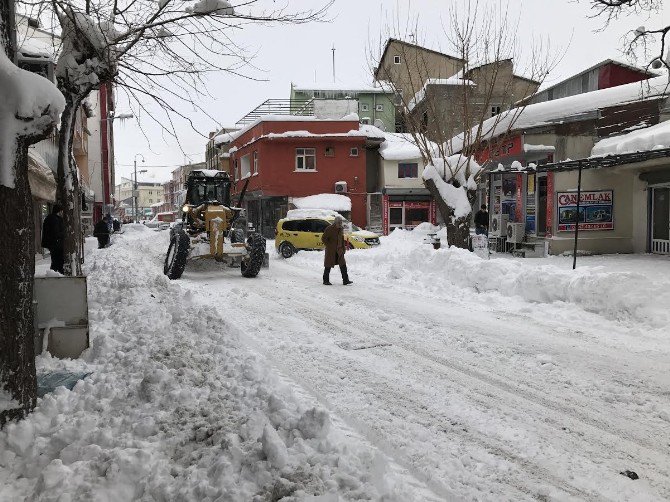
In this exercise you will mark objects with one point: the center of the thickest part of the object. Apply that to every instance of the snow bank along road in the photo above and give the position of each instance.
(435, 376)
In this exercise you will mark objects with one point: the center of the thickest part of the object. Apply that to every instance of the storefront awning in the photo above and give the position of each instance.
(41, 178)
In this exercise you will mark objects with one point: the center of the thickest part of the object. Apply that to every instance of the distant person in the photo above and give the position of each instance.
(333, 238)
(101, 232)
(53, 237)
(116, 224)
(482, 221)
(110, 222)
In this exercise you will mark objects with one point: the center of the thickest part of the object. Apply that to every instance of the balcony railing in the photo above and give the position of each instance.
(278, 107)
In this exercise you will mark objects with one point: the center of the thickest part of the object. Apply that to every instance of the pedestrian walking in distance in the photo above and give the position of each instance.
(482, 221)
(53, 237)
(101, 231)
(333, 238)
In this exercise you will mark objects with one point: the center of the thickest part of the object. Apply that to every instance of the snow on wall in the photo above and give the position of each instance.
(399, 146)
(650, 138)
(332, 201)
(29, 104)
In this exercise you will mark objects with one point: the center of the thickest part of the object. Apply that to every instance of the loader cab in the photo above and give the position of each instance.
(208, 186)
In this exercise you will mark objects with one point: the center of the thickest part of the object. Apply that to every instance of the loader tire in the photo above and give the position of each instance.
(177, 254)
(237, 235)
(252, 265)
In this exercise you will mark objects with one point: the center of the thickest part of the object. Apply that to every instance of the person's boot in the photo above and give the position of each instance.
(326, 277)
(345, 276)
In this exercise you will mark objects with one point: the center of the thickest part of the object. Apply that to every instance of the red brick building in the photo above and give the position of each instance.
(286, 157)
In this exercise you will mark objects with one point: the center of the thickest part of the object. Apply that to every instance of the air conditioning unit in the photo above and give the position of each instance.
(515, 232)
(498, 225)
(341, 187)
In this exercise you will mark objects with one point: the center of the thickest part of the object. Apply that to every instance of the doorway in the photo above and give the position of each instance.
(660, 220)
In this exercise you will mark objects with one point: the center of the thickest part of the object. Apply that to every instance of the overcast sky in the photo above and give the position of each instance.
(302, 53)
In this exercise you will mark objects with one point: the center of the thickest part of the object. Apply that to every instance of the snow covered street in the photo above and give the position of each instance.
(435, 376)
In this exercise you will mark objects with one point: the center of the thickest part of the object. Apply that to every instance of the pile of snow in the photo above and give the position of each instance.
(301, 214)
(650, 138)
(631, 296)
(331, 201)
(30, 104)
(176, 407)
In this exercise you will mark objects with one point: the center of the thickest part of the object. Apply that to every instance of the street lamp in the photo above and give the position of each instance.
(135, 185)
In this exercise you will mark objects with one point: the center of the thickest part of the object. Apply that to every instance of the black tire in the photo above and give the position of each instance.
(286, 249)
(177, 254)
(237, 235)
(253, 263)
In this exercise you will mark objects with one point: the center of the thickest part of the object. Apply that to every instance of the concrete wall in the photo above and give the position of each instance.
(389, 174)
(567, 147)
(416, 65)
(629, 212)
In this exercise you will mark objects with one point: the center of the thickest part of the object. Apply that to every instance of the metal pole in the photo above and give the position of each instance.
(579, 196)
(133, 193)
(333, 49)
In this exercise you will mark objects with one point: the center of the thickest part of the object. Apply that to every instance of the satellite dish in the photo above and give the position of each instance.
(379, 124)
(657, 64)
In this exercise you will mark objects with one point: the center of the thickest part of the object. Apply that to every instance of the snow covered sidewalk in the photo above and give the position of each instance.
(177, 408)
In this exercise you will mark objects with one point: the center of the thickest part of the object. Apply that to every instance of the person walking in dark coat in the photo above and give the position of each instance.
(333, 238)
(53, 237)
(101, 231)
(482, 221)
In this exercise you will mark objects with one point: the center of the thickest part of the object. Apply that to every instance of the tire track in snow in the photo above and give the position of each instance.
(467, 376)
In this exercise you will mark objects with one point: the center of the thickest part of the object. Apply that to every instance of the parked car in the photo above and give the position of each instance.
(161, 221)
(295, 234)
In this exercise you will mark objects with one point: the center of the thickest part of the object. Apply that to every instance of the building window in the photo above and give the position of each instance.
(353, 152)
(495, 110)
(151, 201)
(379, 108)
(408, 170)
(396, 59)
(255, 161)
(245, 166)
(236, 173)
(305, 159)
(365, 107)
(330, 151)
(365, 120)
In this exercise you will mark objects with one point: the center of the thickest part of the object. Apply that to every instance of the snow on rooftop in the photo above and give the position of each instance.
(302, 214)
(557, 110)
(421, 94)
(655, 137)
(331, 201)
(338, 86)
(232, 136)
(399, 146)
(209, 173)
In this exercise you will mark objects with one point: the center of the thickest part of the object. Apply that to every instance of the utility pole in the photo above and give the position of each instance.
(333, 49)
(133, 193)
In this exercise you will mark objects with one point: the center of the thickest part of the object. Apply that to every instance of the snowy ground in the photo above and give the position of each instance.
(435, 376)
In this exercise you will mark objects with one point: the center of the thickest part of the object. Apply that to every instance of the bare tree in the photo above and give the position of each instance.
(28, 111)
(156, 51)
(450, 114)
(653, 42)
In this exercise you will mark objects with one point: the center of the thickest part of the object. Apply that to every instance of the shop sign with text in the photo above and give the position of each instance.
(596, 210)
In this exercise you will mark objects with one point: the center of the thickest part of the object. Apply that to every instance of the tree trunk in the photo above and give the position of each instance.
(68, 190)
(17, 263)
(458, 230)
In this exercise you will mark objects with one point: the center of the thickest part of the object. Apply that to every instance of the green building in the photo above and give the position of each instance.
(374, 105)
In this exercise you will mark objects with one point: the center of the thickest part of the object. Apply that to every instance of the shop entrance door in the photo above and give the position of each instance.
(541, 226)
(660, 220)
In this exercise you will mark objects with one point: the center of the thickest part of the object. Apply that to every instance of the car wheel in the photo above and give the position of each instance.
(286, 249)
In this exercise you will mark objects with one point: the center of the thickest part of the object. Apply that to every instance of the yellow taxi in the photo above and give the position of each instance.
(294, 234)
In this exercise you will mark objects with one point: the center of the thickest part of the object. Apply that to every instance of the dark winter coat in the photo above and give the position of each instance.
(101, 229)
(53, 232)
(333, 238)
(482, 218)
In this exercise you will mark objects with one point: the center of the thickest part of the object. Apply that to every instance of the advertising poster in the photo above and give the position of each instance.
(596, 211)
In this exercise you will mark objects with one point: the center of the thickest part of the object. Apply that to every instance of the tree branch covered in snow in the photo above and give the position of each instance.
(483, 48)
